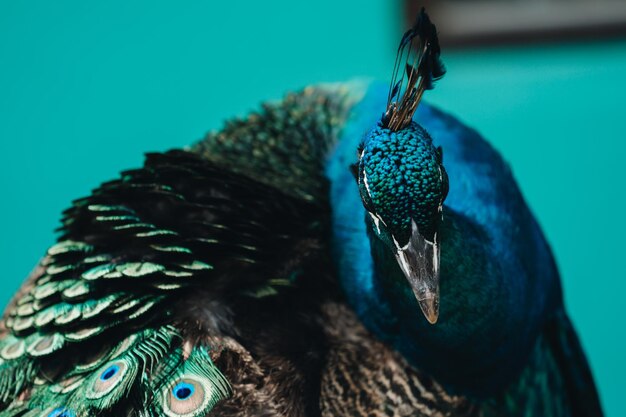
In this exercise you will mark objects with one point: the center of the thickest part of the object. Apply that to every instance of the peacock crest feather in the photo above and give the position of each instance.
(416, 69)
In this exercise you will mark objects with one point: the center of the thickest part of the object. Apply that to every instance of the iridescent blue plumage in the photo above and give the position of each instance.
(500, 290)
(402, 179)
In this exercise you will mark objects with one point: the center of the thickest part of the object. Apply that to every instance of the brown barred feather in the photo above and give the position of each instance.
(364, 377)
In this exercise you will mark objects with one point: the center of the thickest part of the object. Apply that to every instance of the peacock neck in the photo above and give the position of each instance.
(470, 347)
(490, 306)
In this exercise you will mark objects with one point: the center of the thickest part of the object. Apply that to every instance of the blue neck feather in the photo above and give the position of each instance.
(498, 278)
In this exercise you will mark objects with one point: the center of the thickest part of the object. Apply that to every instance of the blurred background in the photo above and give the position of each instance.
(87, 87)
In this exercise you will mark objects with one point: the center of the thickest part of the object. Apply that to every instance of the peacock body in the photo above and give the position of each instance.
(243, 276)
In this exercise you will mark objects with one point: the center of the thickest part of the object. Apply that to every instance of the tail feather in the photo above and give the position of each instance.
(580, 386)
(148, 372)
(193, 388)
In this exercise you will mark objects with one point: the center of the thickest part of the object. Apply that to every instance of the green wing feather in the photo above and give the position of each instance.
(286, 144)
(103, 326)
(191, 388)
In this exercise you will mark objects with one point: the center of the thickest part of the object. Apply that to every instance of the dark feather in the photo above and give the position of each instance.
(189, 240)
(573, 365)
(419, 54)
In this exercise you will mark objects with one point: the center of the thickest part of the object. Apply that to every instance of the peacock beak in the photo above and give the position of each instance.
(419, 261)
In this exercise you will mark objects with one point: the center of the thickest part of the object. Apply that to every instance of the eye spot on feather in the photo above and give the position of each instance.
(183, 390)
(107, 379)
(187, 397)
(109, 372)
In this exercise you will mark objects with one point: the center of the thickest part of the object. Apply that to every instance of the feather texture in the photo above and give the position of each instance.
(172, 290)
(148, 266)
(418, 60)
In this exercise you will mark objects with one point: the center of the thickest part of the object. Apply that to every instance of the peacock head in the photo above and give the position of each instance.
(400, 173)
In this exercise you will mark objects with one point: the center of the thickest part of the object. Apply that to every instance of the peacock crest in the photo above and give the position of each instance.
(415, 70)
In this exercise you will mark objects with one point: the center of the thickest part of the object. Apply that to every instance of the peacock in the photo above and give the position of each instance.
(278, 267)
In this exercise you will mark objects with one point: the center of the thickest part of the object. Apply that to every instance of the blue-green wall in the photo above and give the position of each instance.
(86, 88)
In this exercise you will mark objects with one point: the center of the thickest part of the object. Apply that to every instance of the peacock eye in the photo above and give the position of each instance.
(368, 204)
(189, 396)
(364, 191)
(445, 185)
(109, 372)
(183, 391)
(103, 382)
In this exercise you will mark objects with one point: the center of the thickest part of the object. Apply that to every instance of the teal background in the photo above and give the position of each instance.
(87, 87)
